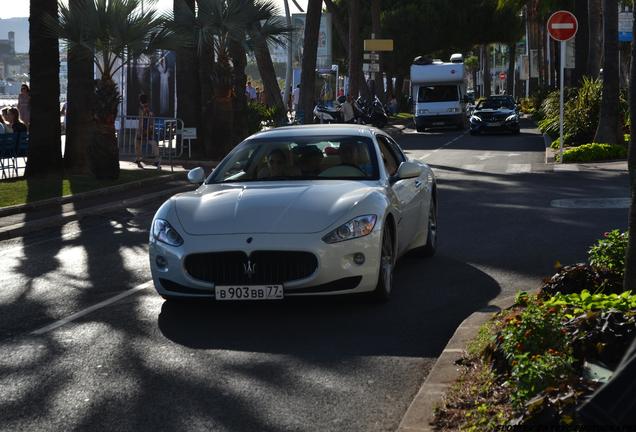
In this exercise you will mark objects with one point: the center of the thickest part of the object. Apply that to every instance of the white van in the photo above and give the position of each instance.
(438, 92)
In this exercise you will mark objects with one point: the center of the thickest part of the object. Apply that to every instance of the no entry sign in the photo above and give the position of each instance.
(562, 25)
(502, 76)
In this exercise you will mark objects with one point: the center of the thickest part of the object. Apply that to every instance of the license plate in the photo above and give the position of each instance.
(438, 123)
(249, 292)
(495, 124)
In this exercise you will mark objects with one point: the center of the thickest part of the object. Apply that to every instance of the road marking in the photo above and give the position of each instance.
(90, 309)
(565, 167)
(592, 203)
(473, 167)
(425, 156)
(457, 138)
(518, 168)
(486, 156)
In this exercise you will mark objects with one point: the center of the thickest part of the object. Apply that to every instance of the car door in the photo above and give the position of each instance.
(406, 191)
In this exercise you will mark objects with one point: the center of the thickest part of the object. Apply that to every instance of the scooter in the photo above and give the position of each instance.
(373, 112)
(324, 114)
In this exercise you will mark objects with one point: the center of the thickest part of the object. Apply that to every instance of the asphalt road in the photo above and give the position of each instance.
(299, 365)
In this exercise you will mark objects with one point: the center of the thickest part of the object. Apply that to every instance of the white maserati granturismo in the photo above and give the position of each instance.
(296, 211)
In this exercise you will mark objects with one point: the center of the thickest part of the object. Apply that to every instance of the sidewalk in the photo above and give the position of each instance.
(22, 219)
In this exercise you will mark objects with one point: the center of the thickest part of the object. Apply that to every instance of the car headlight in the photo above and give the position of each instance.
(422, 111)
(475, 119)
(453, 110)
(164, 232)
(512, 118)
(356, 227)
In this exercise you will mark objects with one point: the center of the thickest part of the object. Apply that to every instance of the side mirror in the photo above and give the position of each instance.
(196, 175)
(408, 170)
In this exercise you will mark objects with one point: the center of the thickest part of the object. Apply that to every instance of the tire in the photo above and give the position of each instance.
(429, 249)
(382, 291)
(420, 129)
(516, 131)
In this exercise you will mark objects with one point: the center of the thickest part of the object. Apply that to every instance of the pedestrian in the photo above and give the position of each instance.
(341, 92)
(296, 97)
(63, 114)
(17, 125)
(24, 104)
(250, 91)
(6, 120)
(393, 105)
(348, 115)
(146, 132)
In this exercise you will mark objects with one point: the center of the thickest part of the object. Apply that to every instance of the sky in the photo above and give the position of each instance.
(20, 8)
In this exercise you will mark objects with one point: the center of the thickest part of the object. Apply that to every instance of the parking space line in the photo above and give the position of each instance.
(457, 138)
(90, 309)
(518, 168)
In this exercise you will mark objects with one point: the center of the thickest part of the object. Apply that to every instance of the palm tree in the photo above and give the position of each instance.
(608, 130)
(595, 29)
(187, 78)
(376, 29)
(112, 32)
(355, 48)
(44, 152)
(79, 119)
(310, 52)
(630, 258)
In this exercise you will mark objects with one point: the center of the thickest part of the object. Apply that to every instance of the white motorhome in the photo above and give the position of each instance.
(438, 92)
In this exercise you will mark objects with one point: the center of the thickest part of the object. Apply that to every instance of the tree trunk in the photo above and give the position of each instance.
(239, 99)
(630, 258)
(582, 42)
(609, 125)
(510, 76)
(188, 81)
(376, 29)
(486, 70)
(45, 147)
(310, 51)
(268, 75)
(103, 152)
(338, 25)
(355, 49)
(206, 68)
(80, 124)
(595, 29)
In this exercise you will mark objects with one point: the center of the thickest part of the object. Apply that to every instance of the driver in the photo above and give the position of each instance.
(277, 166)
(356, 154)
(310, 160)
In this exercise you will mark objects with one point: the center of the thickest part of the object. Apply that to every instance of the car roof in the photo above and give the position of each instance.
(319, 129)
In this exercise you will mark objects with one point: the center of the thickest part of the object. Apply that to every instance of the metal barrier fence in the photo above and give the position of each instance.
(153, 136)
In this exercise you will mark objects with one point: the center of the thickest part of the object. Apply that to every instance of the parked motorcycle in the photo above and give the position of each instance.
(325, 114)
(373, 112)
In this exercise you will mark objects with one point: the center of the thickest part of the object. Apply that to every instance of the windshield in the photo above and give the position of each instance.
(496, 104)
(438, 93)
(299, 158)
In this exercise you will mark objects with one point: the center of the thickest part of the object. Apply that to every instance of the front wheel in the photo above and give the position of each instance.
(429, 249)
(387, 263)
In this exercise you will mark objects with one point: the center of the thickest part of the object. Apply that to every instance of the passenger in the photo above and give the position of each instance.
(277, 166)
(17, 125)
(310, 161)
(6, 119)
(355, 154)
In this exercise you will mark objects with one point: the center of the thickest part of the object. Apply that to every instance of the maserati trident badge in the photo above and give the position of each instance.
(250, 268)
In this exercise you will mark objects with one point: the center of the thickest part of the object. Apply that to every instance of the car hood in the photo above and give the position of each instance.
(501, 111)
(280, 208)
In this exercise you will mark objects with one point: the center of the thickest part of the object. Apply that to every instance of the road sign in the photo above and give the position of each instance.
(378, 44)
(189, 133)
(502, 76)
(625, 21)
(371, 67)
(372, 56)
(562, 25)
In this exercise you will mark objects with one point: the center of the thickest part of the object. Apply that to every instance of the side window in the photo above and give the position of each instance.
(397, 151)
(390, 161)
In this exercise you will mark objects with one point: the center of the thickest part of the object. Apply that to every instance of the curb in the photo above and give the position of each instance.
(22, 208)
(549, 153)
(23, 228)
(444, 373)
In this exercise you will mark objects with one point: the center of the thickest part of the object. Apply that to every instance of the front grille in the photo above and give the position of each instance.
(260, 268)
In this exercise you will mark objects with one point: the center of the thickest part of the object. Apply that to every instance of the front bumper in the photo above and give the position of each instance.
(336, 272)
(442, 120)
(487, 126)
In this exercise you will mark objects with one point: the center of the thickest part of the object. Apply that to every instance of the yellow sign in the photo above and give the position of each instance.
(378, 44)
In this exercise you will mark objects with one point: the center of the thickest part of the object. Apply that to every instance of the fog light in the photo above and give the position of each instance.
(162, 263)
(358, 258)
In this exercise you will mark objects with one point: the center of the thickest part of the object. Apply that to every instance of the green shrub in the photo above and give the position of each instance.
(260, 115)
(594, 152)
(609, 252)
(575, 304)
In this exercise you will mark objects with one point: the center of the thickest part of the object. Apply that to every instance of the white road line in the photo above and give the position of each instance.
(518, 168)
(425, 156)
(473, 167)
(457, 138)
(565, 167)
(90, 309)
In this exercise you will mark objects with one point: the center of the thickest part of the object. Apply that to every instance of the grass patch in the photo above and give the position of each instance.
(402, 116)
(21, 191)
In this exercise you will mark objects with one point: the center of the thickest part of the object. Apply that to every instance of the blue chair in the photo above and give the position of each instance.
(8, 157)
(21, 150)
